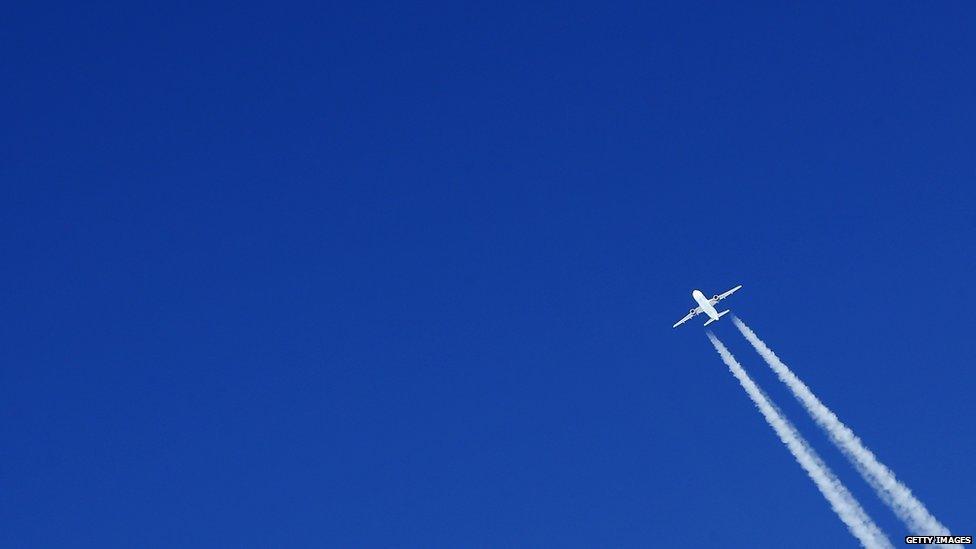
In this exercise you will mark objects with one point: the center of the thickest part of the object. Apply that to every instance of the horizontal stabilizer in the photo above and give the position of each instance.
(720, 315)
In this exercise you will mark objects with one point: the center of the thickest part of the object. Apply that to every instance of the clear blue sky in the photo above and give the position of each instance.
(403, 275)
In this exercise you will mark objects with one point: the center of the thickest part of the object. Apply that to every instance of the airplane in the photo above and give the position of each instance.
(706, 306)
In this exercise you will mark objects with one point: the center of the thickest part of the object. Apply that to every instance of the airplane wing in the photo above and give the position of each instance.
(720, 297)
(694, 312)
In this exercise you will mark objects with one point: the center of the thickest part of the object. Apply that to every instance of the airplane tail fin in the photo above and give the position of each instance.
(720, 315)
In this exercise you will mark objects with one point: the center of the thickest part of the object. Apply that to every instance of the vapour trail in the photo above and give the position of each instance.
(840, 499)
(893, 493)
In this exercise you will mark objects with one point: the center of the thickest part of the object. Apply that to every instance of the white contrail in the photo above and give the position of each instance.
(841, 500)
(896, 495)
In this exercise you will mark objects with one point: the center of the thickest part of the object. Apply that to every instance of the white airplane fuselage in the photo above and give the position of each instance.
(706, 307)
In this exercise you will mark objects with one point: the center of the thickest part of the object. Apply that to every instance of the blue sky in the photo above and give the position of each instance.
(403, 275)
